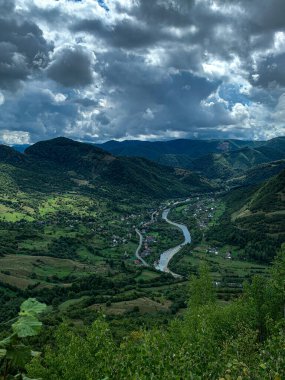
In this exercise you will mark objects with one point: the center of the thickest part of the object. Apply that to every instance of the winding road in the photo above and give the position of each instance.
(139, 248)
(166, 256)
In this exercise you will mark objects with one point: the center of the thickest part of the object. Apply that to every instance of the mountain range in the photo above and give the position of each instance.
(214, 159)
(165, 152)
(61, 162)
(235, 161)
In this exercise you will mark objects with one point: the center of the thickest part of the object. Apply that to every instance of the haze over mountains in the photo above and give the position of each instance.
(159, 150)
(237, 161)
(215, 159)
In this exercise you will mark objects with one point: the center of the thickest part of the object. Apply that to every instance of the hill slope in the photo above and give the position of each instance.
(174, 152)
(270, 197)
(257, 174)
(232, 164)
(64, 163)
(254, 219)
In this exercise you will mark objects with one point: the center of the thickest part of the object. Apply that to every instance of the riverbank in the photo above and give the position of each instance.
(167, 255)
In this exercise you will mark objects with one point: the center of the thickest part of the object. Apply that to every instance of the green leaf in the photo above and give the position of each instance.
(23, 377)
(28, 378)
(32, 307)
(5, 342)
(20, 355)
(27, 326)
(36, 354)
(3, 353)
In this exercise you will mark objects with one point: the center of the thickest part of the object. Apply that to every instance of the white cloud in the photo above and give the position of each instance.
(148, 114)
(14, 137)
(240, 112)
(59, 97)
(279, 112)
(154, 70)
(2, 99)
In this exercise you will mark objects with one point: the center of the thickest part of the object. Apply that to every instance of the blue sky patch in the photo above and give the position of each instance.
(103, 4)
(231, 93)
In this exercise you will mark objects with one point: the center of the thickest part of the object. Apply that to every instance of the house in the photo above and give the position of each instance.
(150, 239)
(228, 255)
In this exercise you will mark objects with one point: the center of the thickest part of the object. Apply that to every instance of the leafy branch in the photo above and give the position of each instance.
(14, 354)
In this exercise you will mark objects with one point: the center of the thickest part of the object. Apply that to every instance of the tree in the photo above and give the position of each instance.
(278, 277)
(201, 290)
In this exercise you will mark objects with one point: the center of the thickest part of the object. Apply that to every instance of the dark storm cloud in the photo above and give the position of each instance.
(86, 102)
(71, 67)
(103, 119)
(13, 66)
(23, 47)
(174, 13)
(7, 6)
(149, 24)
(251, 24)
(53, 16)
(233, 29)
(270, 71)
(182, 58)
(264, 15)
(163, 68)
(149, 101)
(37, 111)
(125, 33)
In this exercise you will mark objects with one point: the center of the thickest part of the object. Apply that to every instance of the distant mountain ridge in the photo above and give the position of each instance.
(218, 160)
(214, 159)
(229, 164)
(163, 151)
(258, 173)
(63, 162)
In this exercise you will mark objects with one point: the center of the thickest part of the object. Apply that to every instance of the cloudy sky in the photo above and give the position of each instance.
(96, 70)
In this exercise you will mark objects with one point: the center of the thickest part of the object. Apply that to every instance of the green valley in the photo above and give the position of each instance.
(70, 214)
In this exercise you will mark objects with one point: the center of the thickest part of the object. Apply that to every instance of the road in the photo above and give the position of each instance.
(139, 248)
(166, 256)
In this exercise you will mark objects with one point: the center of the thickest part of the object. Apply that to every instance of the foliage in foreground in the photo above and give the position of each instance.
(242, 340)
(14, 352)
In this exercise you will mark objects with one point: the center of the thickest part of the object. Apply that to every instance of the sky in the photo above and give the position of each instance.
(96, 70)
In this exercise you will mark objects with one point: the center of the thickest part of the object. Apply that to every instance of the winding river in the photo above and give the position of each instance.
(166, 256)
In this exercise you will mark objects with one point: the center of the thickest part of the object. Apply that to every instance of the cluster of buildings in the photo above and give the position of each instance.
(204, 213)
(129, 217)
(148, 241)
(214, 251)
(116, 240)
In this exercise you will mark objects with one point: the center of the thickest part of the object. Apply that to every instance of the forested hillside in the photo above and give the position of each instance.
(254, 219)
(173, 151)
(214, 158)
(68, 164)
